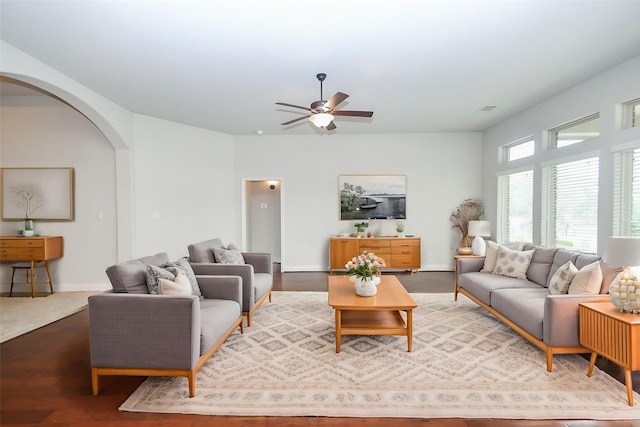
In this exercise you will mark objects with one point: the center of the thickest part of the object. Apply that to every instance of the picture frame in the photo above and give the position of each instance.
(42, 194)
(372, 197)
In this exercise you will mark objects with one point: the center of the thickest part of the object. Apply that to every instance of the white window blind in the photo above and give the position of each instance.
(570, 205)
(515, 210)
(626, 193)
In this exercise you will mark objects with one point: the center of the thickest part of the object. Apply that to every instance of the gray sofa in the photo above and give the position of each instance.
(256, 270)
(132, 332)
(550, 322)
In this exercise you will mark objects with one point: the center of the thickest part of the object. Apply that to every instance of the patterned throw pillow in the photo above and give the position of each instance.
(513, 263)
(228, 256)
(180, 286)
(561, 279)
(154, 274)
(182, 265)
(490, 257)
(588, 280)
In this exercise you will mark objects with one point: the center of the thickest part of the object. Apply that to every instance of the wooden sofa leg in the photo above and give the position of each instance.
(248, 319)
(269, 296)
(95, 381)
(549, 354)
(191, 377)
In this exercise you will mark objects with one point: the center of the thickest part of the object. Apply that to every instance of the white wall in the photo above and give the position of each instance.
(39, 131)
(603, 94)
(441, 168)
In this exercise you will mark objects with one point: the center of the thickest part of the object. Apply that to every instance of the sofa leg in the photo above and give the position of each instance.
(269, 296)
(549, 354)
(191, 377)
(95, 381)
(248, 319)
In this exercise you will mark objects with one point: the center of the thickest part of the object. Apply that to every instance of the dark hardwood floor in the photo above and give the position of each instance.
(45, 379)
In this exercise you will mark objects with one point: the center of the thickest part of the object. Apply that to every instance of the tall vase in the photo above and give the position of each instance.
(365, 287)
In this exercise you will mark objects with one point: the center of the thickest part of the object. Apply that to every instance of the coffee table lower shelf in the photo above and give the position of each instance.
(372, 322)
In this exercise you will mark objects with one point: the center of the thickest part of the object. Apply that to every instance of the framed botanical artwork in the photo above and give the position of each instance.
(37, 193)
(372, 197)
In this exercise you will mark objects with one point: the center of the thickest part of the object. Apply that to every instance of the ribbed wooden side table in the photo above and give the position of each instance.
(614, 335)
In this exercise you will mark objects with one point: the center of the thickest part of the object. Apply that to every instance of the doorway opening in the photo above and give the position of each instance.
(263, 218)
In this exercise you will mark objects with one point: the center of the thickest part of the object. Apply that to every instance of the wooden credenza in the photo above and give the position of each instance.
(398, 252)
(32, 250)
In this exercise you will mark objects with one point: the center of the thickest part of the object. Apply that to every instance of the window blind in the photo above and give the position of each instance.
(515, 211)
(570, 205)
(626, 193)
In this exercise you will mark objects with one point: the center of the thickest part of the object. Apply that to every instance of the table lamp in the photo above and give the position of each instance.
(479, 230)
(625, 289)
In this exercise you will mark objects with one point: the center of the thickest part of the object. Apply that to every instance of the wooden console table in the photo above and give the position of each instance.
(398, 252)
(614, 335)
(32, 250)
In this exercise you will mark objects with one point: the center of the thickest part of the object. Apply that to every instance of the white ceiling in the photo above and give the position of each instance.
(421, 66)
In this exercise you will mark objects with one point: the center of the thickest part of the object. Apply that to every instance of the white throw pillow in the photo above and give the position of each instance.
(490, 257)
(513, 263)
(588, 280)
(561, 279)
(181, 286)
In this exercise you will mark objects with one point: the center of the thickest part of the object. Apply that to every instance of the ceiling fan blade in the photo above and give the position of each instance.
(294, 106)
(331, 126)
(352, 113)
(335, 100)
(295, 120)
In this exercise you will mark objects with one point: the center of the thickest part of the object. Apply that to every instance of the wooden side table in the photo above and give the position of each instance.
(614, 335)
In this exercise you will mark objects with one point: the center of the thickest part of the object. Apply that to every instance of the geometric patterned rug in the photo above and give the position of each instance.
(465, 363)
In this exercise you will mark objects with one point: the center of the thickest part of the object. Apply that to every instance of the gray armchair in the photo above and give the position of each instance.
(132, 332)
(256, 272)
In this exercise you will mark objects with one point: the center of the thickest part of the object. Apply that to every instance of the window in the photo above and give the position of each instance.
(518, 150)
(515, 207)
(575, 132)
(570, 205)
(631, 114)
(626, 193)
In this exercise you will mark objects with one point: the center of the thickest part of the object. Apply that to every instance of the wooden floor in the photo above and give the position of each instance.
(45, 379)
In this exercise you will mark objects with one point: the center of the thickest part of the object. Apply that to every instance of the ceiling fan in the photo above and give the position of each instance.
(322, 113)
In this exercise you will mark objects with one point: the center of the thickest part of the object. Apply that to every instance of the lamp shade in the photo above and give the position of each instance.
(321, 119)
(480, 228)
(623, 251)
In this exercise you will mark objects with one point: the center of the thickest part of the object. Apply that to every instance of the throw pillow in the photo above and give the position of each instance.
(182, 265)
(513, 263)
(180, 286)
(490, 257)
(588, 280)
(228, 256)
(561, 279)
(154, 274)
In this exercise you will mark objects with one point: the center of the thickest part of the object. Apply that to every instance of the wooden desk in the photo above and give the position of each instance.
(32, 249)
(614, 335)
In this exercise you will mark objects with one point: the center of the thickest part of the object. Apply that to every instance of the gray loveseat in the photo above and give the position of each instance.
(550, 322)
(132, 332)
(256, 270)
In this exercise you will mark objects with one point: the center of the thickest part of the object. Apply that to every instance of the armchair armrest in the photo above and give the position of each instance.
(221, 287)
(245, 271)
(561, 322)
(469, 264)
(261, 262)
(144, 331)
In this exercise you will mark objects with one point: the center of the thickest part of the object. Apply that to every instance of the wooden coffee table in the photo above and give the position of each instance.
(376, 315)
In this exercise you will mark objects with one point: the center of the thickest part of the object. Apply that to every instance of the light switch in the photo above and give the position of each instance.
(263, 206)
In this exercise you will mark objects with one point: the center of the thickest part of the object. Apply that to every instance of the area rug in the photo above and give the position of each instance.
(464, 363)
(20, 315)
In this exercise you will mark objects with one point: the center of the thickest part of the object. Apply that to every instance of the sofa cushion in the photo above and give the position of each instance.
(180, 286)
(216, 317)
(561, 280)
(540, 265)
(203, 251)
(609, 273)
(131, 276)
(182, 265)
(228, 256)
(481, 285)
(262, 282)
(154, 274)
(588, 280)
(583, 260)
(524, 307)
(490, 257)
(513, 263)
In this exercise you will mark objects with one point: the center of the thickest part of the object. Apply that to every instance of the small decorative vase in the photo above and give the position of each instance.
(27, 233)
(366, 288)
(376, 280)
(624, 292)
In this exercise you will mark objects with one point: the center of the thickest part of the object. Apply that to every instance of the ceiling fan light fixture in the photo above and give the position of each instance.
(321, 119)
